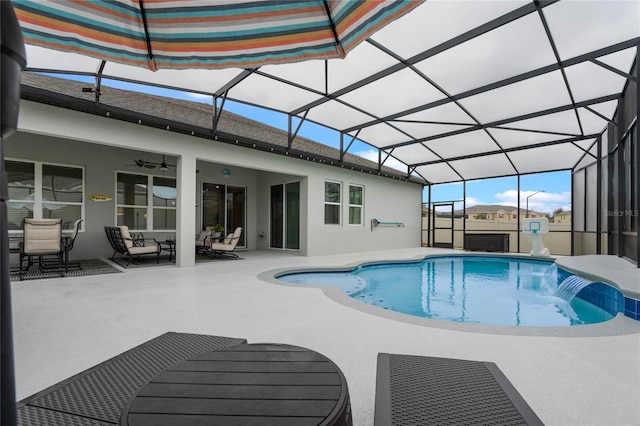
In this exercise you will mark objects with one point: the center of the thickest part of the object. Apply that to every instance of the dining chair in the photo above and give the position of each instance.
(41, 237)
(69, 242)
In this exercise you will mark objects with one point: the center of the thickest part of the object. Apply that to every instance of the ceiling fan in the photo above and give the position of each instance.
(152, 165)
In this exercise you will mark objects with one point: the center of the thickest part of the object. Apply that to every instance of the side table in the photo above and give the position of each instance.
(170, 246)
(246, 384)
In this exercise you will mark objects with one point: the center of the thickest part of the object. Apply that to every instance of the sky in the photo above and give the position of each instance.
(542, 192)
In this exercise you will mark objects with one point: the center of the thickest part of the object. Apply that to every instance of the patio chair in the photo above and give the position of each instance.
(122, 242)
(70, 241)
(41, 237)
(227, 247)
(202, 241)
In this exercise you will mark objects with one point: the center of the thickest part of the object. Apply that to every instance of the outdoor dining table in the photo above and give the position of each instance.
(246, 384)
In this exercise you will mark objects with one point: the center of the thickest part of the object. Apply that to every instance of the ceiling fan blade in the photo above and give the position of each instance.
(143, 163)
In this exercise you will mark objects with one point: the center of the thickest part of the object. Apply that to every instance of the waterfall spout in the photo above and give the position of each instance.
(570, 287)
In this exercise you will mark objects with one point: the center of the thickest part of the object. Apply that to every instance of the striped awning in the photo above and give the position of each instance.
(176, 34)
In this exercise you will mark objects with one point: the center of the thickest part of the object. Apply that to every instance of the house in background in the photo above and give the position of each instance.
(562, 217)
(156, 165)
(495, 212)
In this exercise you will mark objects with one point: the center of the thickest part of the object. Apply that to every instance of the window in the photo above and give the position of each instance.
(332, 203)
(44, 191)
(164, 203)
(146, 203)
(356, 197)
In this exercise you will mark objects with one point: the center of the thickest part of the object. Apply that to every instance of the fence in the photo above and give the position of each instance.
(558, 240)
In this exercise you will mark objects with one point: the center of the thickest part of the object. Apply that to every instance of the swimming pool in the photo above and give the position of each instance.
(489, 290)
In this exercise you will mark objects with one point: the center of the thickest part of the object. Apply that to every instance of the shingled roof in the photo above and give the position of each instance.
(189, 117)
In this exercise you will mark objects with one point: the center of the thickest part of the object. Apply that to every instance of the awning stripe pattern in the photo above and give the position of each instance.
(205, 33)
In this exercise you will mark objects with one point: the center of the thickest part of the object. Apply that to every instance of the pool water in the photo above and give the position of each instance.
(470, 289)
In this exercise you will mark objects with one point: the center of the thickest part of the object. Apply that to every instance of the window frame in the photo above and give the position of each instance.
(359, 206)
(38, 201)
(149, 207)
(332, 203)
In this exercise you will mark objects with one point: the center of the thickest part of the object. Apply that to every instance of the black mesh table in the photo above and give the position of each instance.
(248, 384)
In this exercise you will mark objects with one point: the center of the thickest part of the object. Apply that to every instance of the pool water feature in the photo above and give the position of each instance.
(496, 290)
(571, 286)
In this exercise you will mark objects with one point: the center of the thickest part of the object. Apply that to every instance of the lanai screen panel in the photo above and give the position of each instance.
(361, 63)
(594, 117)
(463, 144)
(492, 165)
(446, 113)
(490, 56)
(579, 207)
(589, 81)
(580, 27)
(518, 99)
(562, 124)
(440, 74)
(261, 90)
(381, 135)
(399, 91)
(196, 80)
(415, 153)
(338, 114)
(421, 130)
(439, 173)
(436, 22)
(591, 195)
(515, 138)
(548, 158)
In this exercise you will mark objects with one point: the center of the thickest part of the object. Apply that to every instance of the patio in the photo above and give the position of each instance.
(591, 379)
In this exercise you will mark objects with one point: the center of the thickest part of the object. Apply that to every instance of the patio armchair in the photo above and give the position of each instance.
(227, 247)
(203, 240)
(122, 242)
(69, 246)
(41, 237)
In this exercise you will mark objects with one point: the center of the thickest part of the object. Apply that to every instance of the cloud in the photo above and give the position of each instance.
(197, 97)
(545, 202)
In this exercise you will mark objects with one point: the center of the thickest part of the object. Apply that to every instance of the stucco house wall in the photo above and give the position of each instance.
(104, 145)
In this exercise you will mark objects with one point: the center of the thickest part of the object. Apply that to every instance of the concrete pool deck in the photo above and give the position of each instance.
(65, 325)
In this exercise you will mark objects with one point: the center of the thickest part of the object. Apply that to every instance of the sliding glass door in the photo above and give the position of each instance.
(285, 216)
(224, 205)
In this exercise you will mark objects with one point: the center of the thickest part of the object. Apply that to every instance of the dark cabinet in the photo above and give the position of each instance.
(486, 242)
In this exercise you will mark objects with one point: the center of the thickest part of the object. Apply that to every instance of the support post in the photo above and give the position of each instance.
(13, 60)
